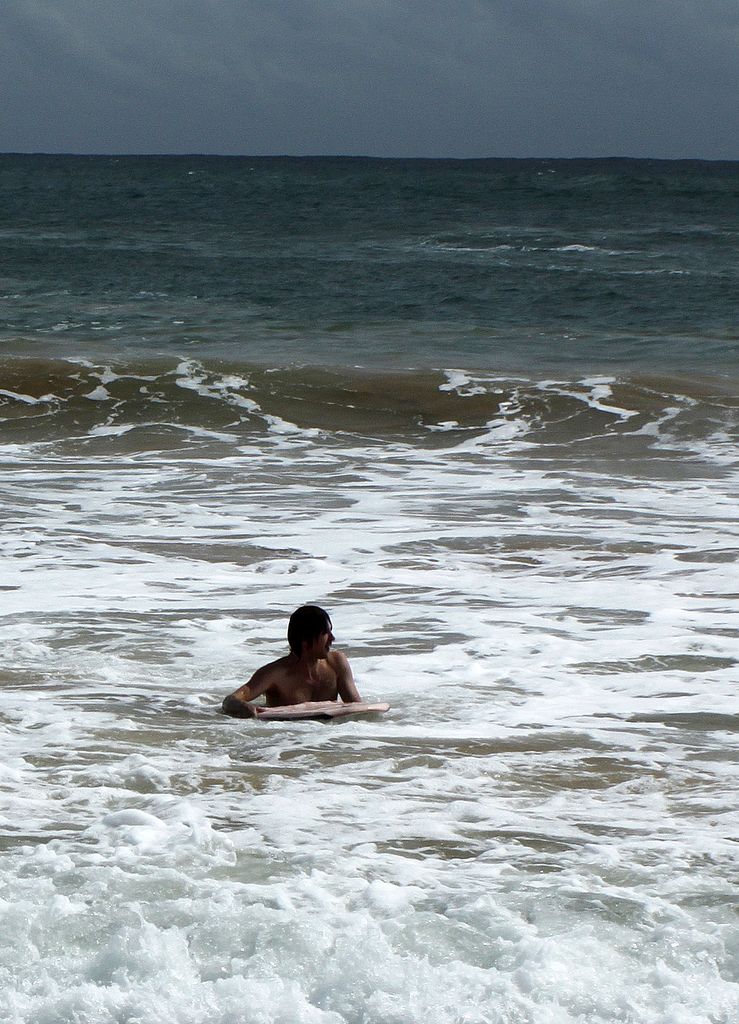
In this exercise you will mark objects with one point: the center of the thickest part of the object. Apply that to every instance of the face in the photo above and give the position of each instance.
(322, 643)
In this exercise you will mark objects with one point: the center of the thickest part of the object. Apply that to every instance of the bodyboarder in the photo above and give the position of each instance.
(310, 672)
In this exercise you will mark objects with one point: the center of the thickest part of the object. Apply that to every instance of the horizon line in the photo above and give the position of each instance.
(191, 154)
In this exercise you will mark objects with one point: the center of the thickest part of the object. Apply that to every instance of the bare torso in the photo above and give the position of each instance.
(290, 685)
(293, 680)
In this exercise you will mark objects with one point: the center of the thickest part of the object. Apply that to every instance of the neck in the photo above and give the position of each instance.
(306, 661)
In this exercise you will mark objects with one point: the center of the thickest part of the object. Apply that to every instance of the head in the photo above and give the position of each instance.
(306, 625)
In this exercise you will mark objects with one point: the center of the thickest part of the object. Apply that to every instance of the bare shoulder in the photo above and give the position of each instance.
(273, 670)
(262, 680)
(338, 662)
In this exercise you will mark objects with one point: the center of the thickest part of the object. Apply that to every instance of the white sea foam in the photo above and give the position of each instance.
(27, 399)
(598, 389)
(462, 383)
(540, 830)
(229, 388)
(99, 394)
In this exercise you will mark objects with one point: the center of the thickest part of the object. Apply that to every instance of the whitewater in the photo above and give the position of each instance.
(543, 828)
(483, 412)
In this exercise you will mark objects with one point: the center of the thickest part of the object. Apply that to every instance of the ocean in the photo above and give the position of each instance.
(485, 413)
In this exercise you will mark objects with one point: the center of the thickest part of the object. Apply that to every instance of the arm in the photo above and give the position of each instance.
(238, 704)
(344, 678)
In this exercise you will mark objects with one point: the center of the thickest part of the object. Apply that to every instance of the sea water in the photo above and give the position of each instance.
(486, 414)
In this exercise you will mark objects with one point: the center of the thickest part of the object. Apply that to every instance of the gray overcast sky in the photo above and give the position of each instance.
(459, 78)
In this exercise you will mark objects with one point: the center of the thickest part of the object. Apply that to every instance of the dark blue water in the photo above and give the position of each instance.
(492, 264)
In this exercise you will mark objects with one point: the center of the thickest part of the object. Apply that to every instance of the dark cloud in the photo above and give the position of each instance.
(381, 77)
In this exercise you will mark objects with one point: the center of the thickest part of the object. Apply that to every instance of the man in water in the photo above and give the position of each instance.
(311, 671)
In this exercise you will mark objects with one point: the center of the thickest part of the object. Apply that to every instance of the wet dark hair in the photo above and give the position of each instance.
(306, 623)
